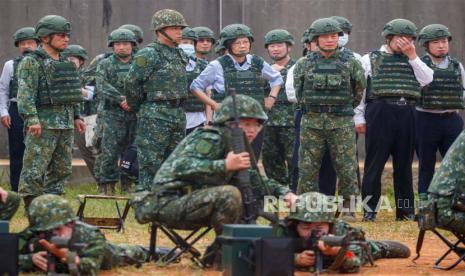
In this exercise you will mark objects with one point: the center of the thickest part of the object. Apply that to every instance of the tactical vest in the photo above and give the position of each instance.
(446, 90)
(193, 104)
(218, 97)
(248, 82)
(119, 72)
(168, 80)
(282, 97)
(327, 84)
(13, 93)
(392, 76)
(62, 83)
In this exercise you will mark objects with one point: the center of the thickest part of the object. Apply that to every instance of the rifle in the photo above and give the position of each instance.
(250, 210)
(53, 258)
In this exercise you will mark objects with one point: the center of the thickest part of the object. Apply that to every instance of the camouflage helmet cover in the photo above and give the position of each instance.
(278, 36)
(401, 27)
(247, 107)
(433, 32)
(234, 31)
(204, 32)
(313, 207)
(47, 212)
(219, 47)
(189, 33)
(167, 18)
(24, 34)
(323, 26)
(52, 24)
(121, 35)
(76, 51)
(344, 23)
(138, 32)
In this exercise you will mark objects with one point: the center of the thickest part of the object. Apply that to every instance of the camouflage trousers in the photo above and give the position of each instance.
(205, 207)
(117, 135)
(341, 144)
(359, 257)
(156, 139)
(277, 153)
(122, 255)
(8, 209)
(46, 162)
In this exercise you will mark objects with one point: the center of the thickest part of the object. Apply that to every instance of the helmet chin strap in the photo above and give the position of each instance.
(168, 37)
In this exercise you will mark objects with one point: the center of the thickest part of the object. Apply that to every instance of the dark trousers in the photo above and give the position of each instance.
(16, 145)
(390, 132)
(434, 132)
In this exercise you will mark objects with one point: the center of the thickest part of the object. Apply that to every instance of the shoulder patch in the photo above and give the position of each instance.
(141, 62)
(203, 146)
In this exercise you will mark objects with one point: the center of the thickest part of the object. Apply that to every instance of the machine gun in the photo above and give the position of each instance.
(250, 210)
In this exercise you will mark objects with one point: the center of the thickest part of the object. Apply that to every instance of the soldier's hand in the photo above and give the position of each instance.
(3, 195)
(80, 126)
(361, 128)
(306, 258)
(237, 162)
(39, 259)
(277, 67)
(407, 47)
(85, 92)
(6, 121)
(269, 102)
(124, 105)
(215, 106)
(290, 199)
(35, 130)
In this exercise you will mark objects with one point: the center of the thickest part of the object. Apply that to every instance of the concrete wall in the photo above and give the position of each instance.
(92, 20)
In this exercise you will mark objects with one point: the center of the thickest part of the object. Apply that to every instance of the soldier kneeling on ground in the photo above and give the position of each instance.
(56, 242)
(316, 218)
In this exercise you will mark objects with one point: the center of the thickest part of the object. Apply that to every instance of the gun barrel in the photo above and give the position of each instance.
(333, 240)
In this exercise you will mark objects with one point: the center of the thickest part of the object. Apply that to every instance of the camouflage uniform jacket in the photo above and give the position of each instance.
(327, 120)
(352, 261)
(30, 78)
(91, 256)
(199, 162)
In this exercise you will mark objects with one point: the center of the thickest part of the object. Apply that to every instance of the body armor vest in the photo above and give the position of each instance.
(446, 90)
(248, 82)
(193, 104)
(327, 84)
(282, 97)
(62, 82)
(392, 76)
(13, 93)
(168, 80)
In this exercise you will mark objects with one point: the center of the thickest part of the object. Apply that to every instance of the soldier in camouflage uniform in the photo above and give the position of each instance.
(26, 40)
(9, 203)
(205, 41)
(437, 120)
(51, 215)
(119, 121)
(300, 223)
(196, 185)
(49, 94)
(328, 84)
(279, 135)
(156, 88)
(395, 77)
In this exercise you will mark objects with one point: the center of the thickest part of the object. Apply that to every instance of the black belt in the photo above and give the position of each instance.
(396, 101)
(171, 103)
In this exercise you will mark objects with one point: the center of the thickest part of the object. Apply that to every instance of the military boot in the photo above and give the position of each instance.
(348, 216)
(212, 256)
(392, 249)
(126, 184)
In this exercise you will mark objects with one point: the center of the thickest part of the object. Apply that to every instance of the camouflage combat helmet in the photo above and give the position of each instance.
(313, 208)
(24, 34)
(234, 31)
(278, 36)
(52, 24)
(121, 35)
(167, 18)
(247, 107)
(189, 33)
(136, 30)
(344, 23)
(47, 212)
(204, 32)
(323, 26)
(433, 32)
(305, 38)
(76, 51)
(402, 27)
(219, 47)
